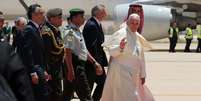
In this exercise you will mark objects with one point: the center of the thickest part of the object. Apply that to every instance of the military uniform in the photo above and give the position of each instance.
(54, 55)
(73, 39)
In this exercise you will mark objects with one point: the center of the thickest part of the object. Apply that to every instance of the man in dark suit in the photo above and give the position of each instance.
(94, 38)
(15, 74)
(17, 30)
(34, 54)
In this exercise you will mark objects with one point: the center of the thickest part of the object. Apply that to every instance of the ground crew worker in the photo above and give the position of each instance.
(54, 48)
(198, 28)
(173, 36)
(76, 57)
(189, 38)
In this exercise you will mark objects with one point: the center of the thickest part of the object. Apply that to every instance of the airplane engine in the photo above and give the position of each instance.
(155, 19)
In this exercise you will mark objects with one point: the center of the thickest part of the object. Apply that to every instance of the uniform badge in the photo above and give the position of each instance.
(70, 36)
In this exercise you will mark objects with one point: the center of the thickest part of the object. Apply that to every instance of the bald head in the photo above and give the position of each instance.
(133, 22)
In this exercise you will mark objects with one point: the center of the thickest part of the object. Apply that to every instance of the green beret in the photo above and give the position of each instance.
(76, 11)
(54, 12)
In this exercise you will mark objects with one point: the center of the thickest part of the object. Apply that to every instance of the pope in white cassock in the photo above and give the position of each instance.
(126, 74)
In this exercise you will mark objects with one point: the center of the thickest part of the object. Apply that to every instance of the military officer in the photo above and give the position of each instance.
(76, 57)
(54, 52)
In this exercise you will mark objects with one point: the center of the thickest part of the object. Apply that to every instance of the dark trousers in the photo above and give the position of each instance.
(38, 95)
(55, 85)
(188, 43)
(173, 42)
(40, 90)
(99, 80)
(80, 85)
(199, 46)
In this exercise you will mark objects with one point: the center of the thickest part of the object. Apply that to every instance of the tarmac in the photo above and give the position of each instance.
(173, 76)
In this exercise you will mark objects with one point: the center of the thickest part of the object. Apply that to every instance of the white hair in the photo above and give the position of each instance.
(133, 16)
(21, 19)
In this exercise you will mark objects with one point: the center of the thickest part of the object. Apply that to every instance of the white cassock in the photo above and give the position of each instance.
(125, 68)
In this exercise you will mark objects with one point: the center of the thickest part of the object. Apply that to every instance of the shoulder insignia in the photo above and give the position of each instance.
(70, 35)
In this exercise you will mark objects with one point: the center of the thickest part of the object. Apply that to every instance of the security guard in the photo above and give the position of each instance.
(173, 36)
(188, 37)
(76, 57)
(198, 28)
(54, 52)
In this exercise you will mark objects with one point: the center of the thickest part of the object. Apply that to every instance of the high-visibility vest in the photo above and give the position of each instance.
(189, 33)
(171, 31)
(198, 28)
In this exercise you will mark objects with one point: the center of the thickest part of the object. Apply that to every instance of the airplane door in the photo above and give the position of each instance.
(136, 8)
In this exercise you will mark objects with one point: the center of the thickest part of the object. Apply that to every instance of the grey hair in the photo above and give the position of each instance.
(96, 9)
(21, 19)
(133, 16)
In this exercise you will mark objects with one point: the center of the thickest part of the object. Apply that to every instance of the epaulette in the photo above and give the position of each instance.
(69, 30)
(72, 28)
(46, 30)
(69, 34)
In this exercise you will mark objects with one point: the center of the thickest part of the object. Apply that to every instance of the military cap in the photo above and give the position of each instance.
(54, 12)
(76, 11)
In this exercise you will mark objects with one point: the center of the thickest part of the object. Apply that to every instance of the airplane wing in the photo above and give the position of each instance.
(186, 5)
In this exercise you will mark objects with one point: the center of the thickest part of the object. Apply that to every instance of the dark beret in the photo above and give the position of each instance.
(76, 11)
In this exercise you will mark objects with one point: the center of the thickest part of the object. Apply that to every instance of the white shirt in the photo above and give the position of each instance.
(37, 26)
(74, 40)
(99, 23)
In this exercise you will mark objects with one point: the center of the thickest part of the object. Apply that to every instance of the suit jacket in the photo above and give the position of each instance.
(14, 72)
(18, 40)
(33, 49)
(94, 38)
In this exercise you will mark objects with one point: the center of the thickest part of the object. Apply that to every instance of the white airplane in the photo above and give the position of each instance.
(156, 19)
